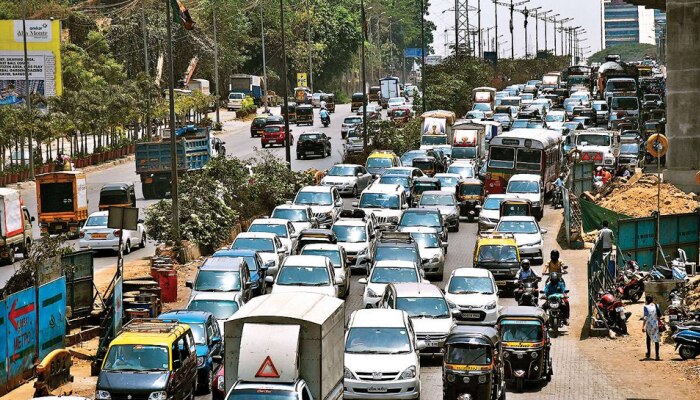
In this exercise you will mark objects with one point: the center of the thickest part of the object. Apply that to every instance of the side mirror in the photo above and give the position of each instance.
(217, 359)
(362, 281)
(455, 312)
(565, 267)
(355, 204)
(478, 207)
(541, 291)
(339, 203)
(32, 219)
(189, 284)
(282, 249)
(420, 345)
(177, 364)
(269, 279)
(140, 221)
(247, 285)
(444, 245)
(338, 280)
(216, 339)
(404, 206)
(267, 265)
(566, 291)
(543, 231)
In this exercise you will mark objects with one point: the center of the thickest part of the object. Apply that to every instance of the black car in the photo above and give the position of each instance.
(313, 144)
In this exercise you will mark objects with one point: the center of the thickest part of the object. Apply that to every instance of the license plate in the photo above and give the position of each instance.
(98, 236)
(619, 309)
(377, 389)
(272, 141)
(470, 315)
(308, 153)
(500, 283)
(432, 343)
(672, 317)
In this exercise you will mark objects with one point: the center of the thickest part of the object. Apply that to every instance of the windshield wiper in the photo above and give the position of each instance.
(466, 292)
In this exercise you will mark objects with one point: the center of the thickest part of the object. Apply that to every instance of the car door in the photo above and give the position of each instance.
(244, 275)
(215, 336)
(365, 177)
(337, 203)
(292, 238)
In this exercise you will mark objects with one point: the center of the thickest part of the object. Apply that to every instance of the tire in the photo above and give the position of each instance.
(457, 227)
(127, 247)
(635, 295)
(555, 327)
(686, 352)
(27, 249)
(298, 156)
(623, 327)
(354, 192)
(207, 384)
(142, 243)
(10, 256)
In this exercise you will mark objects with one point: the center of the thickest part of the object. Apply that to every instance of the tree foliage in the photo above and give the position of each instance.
(628, 52)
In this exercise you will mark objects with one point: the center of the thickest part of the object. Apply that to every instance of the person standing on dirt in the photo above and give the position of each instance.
(605, 236)
(652, 314)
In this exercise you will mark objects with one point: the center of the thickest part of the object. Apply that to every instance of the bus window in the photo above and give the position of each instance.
(502, 157)
(529, 159)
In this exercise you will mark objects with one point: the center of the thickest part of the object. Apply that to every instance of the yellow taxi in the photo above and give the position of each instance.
(498, 253)
(380, 160)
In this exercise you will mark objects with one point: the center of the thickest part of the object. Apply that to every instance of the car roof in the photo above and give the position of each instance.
(220, 263)
(394, 264)
(350, 222)
(186, 316)
(447, 175)
(419, 229)
(256, 235)
(438, 192)
(316, 189)
(293, 207)
(216, 296)
(347, 165)
(305, 260)
(384, 188)
(416, 290)
(526, 177)
(378, 318)
(234, 253)
(518, 218)
(116, 186)
(322, 246)
(269, 221)
(99, 214)
(472, 272)
(422, 210)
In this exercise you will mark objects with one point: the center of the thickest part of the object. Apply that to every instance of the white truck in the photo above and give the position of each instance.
(286, 345)
(601, 147)
(388, 87)
(437, 129)
(15, 226)
(199, 85)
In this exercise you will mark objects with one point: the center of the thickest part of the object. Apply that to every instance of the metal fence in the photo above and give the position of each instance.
(601, 276)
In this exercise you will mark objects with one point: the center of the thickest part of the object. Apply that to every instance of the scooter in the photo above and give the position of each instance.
(557, 197)
(326, 121)
(613, 312)
(688, 342)
(678, 316)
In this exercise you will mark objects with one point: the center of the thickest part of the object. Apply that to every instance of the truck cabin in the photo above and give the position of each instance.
(117, 194)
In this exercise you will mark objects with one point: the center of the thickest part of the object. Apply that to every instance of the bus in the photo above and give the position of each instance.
(523, 151)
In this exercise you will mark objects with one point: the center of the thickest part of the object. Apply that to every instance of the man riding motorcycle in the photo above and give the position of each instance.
(556, 286)
(526, 273)
(325, 116)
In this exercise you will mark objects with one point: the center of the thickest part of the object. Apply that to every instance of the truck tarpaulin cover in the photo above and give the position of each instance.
(434, 126)
(56, 197)
(465, 138)
(482, 97)
(12, 221)
(593, 216)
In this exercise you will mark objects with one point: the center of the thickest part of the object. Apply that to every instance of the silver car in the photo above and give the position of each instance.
(348, 178)
(336, 253)
(431, 249)
(446, 203)
(490, 211)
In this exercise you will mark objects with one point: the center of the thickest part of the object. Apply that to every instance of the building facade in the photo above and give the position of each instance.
(628, 24)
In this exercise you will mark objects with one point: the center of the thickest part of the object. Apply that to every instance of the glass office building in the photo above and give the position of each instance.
(627, 24)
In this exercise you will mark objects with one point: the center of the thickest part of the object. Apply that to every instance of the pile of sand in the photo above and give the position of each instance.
(639, 198)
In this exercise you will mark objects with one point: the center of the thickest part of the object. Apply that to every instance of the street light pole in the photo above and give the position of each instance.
(216, 63)
(27, 91)
(364, 75)
(173, 134)
(287, 150)
(262, 39)
(145, 67)
(311, 84)
(422, 46)
(478, 20)
(495, 34)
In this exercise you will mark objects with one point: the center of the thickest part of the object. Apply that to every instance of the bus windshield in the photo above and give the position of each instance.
(529, 159)
(502, 157)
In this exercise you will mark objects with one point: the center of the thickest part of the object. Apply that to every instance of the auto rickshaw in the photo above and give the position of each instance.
(423, 184)
(356, 102)
(374, 93)
(117, 194)
(305, 114)
(473, 364)
(428, 165)
(290, 113)
(329, 98)
(470, 194)
(515, 207)
(399, 115)
(302, 95)
(526, 345)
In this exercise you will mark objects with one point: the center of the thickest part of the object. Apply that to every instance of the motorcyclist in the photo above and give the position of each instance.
(554, 264)
(325, 115)
(557, 286)
(526, 273)
(560, 181)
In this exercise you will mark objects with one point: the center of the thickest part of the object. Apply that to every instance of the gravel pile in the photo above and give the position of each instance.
(639, 199)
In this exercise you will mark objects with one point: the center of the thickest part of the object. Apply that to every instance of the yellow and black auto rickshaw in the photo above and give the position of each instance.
(329, 98)
(374, 93)
(470, 194)
(426, 164)
(291, 112)
(305, 114)
(302, 95)
(515, 207)
(117, 194)
(525, 344)
(473, 364)
(356, 102)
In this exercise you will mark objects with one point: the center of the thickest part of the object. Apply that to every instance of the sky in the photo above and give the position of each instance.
(586, 13)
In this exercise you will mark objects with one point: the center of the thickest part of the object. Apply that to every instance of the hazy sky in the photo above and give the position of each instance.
(586, 13)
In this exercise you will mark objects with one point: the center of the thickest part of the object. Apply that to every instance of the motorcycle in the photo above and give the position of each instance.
(688, 342)
(613, 312)
(679, 317)
(557, 197)
(526, 293)
(553, 305)
(326, 121)
(630, 282)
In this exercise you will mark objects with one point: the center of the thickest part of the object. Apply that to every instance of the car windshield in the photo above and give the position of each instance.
(555, 118)
(137, 357)
(378, 341)
(309, 137)
(624, 103)
(487, 107)
(468, 354)
(352, 120)
(293, 275)
(236, 96)
(470, 190)
(408, 156)
(433, 140)
(257, 244)
(469, 284)
(97, 221)
(393, 179)
(333, 255)
(520, 123)
(339, 170)
(621, 85)
(393, 275)
(259, 122)
(396, 253)
(426, 240)
(465, 171)
(518, 227)
(420, 219)
(350, 234)
(447, 181)
(515, 330)
(217, 281)
(492, 253)
(629, 148)
(291, 214)
(278, 229)
(423, 307)
(592, 140)
(379, 200)
(463, 153)
(314, 198)
(600, 106)
(379, 162)
(437, 200)
(523, 187)
(220, 309)
(492, 203)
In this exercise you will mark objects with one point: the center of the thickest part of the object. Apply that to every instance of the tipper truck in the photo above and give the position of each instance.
(286, 345)
(15, 226)
(62, 202)
(153, 159)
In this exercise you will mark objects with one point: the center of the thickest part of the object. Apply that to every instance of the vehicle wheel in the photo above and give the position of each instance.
(503, 395)
(142, 243)
(127, 247)
(635, 295)
(623, 327)
(10, 256)
(555, 327)
(457, 227)
(207, 384)
(27, 249)
(262, 145)
(519, 385)
(354, 191)
(686, 352)
(298, 156)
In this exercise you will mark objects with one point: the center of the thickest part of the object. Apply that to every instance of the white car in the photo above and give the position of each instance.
(465, 169)
(95, 235)
(325, 202)
(490, 211)
(475, 293)
(386, 201)
(350, 179)
(427, 308)
(528, 236)
(268, 246)
(382, 357)
(528, 187)
(313, 274)
(357, 238)
(335, 253)
(235, 101)
(555, 119)
(431, 248)
(301, 217)
(396, 102)
(219, 304)
(283, 228)
(384, 272)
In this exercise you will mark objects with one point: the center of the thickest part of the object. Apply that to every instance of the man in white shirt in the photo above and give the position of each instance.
(606, 237)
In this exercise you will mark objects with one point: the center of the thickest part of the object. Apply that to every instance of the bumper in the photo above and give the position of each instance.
(534, 254)
(484, 225)
(344, 189)
(267, 142)
(359, 262)
(107, 244)
(452, 221)
(370, 302)
(478, 316)
(435, 268)
(399, 389)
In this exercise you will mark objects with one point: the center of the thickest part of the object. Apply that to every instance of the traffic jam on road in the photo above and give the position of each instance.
(279, 315)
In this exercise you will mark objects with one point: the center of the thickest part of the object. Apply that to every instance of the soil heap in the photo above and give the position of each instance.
(638, 198)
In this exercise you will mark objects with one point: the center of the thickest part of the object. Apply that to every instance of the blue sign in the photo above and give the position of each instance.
(20, 324)
(412, 52)
(52, 316)
(3, 346)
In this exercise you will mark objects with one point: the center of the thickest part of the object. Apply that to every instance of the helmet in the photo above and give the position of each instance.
(599, 169)
(554, 255)
(562, 175)
(554, 278)
(526, 265)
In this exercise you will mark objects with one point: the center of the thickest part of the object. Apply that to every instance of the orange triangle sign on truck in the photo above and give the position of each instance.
(267, 369)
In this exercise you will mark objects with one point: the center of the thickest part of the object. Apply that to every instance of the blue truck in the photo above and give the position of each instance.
(249, 85)
(194, 149)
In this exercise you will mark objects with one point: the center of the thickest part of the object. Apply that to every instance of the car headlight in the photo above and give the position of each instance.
(220, 383)
(393, 220)
(362, 252)
(348, 374)
(160, 395)
(102, 395)
(491, 305)
(514, 270)
(533, 355)
(409, 373)
(536, 204)
(200, 361)
(482, 378)
(371, 293)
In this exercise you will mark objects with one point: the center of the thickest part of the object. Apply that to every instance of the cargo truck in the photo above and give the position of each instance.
(389, 87)
(286, 345)
(249, 85)
(62, 202)
(153, 159)
(15, 226)
(437, 129)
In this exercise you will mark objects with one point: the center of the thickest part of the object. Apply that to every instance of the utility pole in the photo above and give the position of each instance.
(262, 40)
(216, 63)
(525, 15)
(456, 28)
(145, 67)
(602, 25)
(311, 84)
(173, 135)
(364, 75)
(27, 93)
(478, 20)
(554, 35)
(422, 46)
(287, 150)
(495, 34)
(512, 38)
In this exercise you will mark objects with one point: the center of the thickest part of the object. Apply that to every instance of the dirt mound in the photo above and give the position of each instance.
(639, 199)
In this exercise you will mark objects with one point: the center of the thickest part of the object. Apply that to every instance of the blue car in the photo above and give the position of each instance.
(255, 264)
(208, 342)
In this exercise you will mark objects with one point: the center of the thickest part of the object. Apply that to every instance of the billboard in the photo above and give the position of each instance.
(44, 56)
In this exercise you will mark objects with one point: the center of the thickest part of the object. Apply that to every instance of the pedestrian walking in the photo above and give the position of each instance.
(652, 316)
(606, 237)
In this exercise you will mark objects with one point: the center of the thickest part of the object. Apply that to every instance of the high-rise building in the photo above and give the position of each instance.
(627, 23)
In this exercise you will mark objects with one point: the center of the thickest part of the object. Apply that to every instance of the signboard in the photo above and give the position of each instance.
(52, 316)
(21, 332)
(412, 52)
(3, 347)
(123, 218)
(118, 306)
(44, 58)
(301, 79)
(491, 57)
(434, 126)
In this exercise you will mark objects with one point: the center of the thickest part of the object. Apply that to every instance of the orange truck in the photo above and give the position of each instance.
(62, 202)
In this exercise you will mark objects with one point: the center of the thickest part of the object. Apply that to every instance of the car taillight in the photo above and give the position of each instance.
(117, 232)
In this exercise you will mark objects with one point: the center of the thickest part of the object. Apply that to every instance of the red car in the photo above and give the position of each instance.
(218, 389)
(274, 134)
